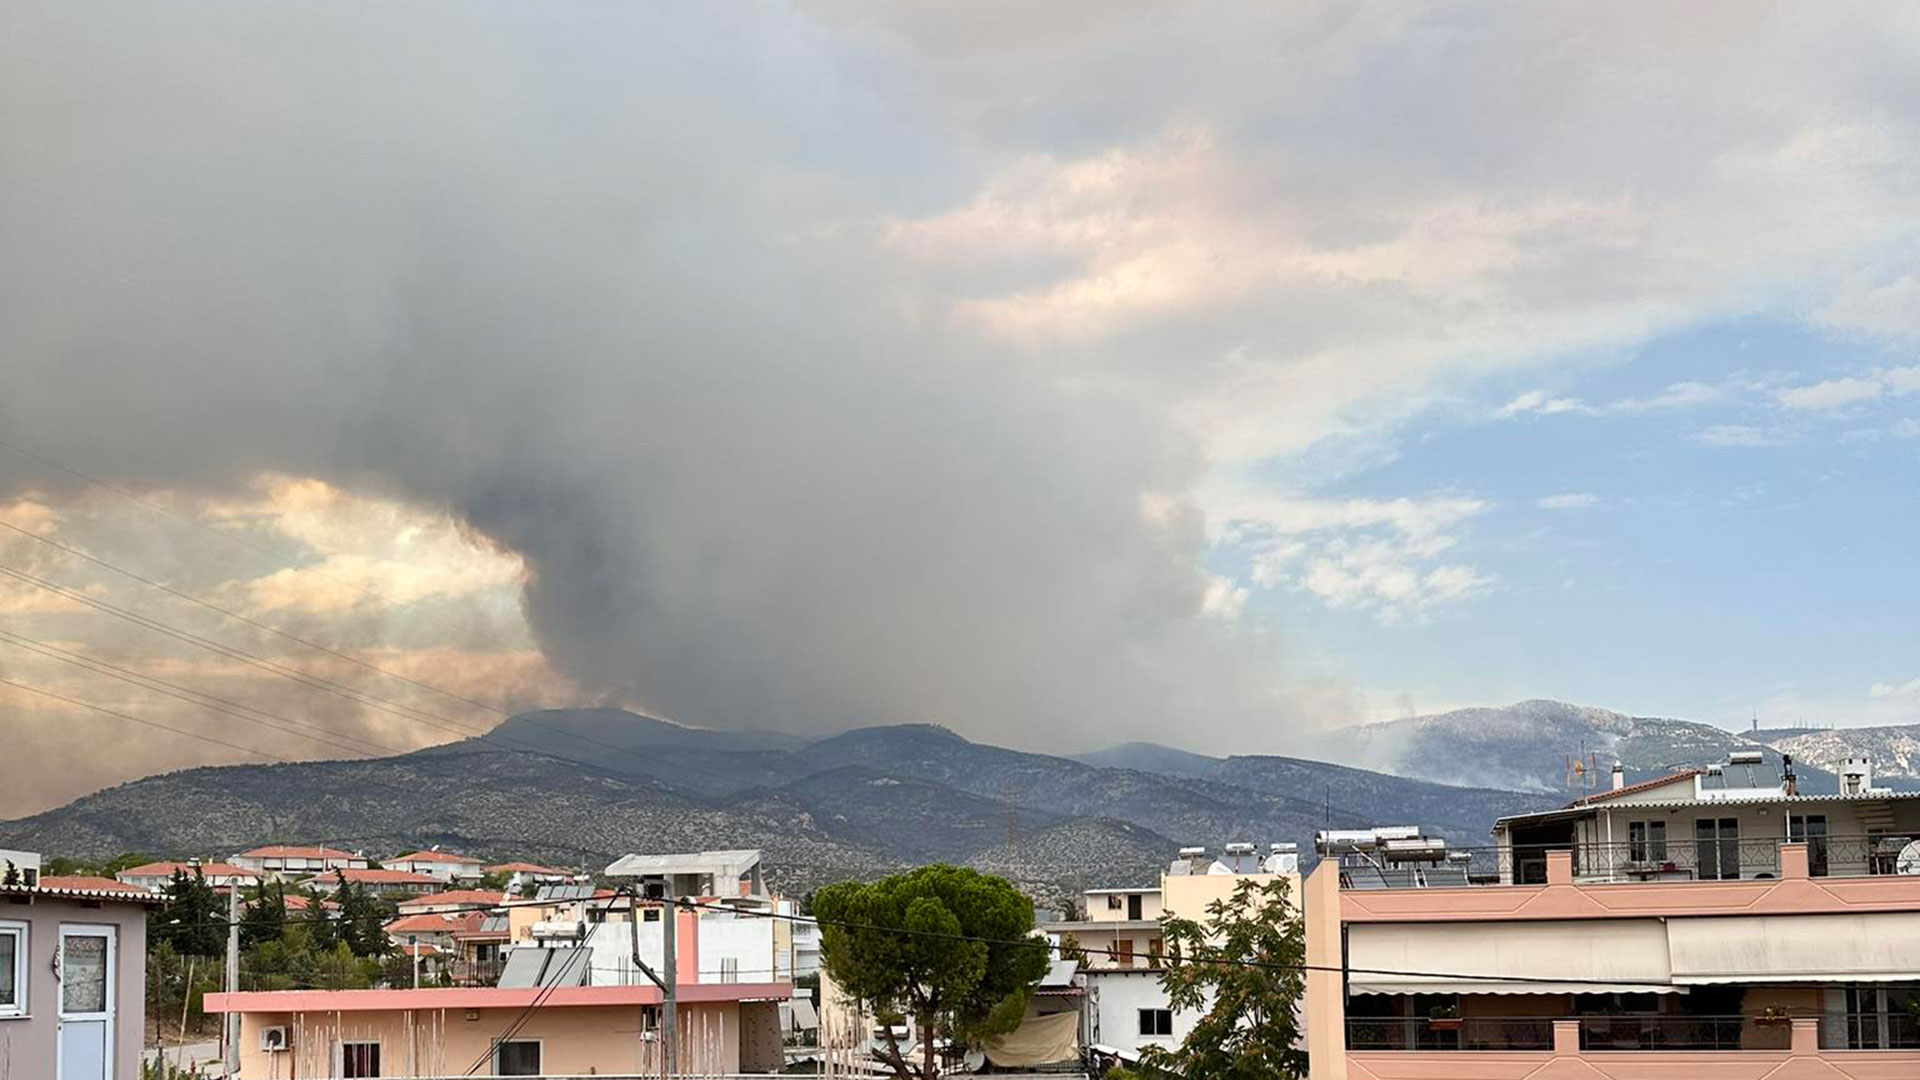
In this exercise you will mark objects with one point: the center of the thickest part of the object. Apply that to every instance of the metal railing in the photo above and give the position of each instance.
(1466, 1033)
(1870, 1031)
(1675, 858)
(1663, 1032)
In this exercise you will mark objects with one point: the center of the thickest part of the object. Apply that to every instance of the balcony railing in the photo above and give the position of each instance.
(1468, 1033)
(1673, 859)
(1870, 1031)
(1665, 1032)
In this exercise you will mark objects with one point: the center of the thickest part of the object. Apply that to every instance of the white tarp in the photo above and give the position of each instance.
(1039, 1040)
(1574, 956)
(1881, 947)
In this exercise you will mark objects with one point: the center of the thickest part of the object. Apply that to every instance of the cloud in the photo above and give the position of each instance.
(1736, 435)
(1384, 556)
(1910, 688)
(1572, 500)
(1907, 428)
(1831, 394)
(1537, 401)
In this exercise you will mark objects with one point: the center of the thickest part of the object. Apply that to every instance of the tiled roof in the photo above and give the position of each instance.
(525, 868)
(296, 902)
(466, 897)
(1630, 789)
(283, 851)
(434, 856)
(437, 923)
(166, 869)
(85, 887)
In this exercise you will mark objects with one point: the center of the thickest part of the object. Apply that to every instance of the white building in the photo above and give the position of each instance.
(26, 864)
(442, 866)
(289, 862)
(158, 875)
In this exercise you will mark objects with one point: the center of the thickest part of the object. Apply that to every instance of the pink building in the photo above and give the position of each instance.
(575, 1031)
(1783, 973)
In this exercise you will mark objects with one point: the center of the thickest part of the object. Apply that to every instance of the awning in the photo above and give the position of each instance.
(1881, 947)
(1574, 956)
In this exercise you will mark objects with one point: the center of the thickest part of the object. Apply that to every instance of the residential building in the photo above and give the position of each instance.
(442, 866)
(480, 951)
(1125, 1007)
(290, 862)
(725, 1029)
(803, 940)
(717, 874)
(1121, 930)
(72, 976)
(518, 874)
(1749, 945)
(389, 883)
(452, 900)
(158, 875)
(438, 929)
(24, 864)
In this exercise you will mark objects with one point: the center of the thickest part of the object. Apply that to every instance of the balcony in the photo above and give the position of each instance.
(1619, 1047)
(1753, 858)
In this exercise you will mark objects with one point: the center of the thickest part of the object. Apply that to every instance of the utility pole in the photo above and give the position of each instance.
(667, 979)
(230, 1023)
(670, 964)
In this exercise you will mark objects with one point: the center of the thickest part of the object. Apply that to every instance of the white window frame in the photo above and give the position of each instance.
(340, 1055)
(540, 1043)
(22, 934)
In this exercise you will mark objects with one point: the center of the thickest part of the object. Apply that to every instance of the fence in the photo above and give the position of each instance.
(1659, 859)
(1469, 1033)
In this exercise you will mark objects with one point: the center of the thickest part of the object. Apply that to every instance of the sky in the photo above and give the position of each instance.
(1068, 374)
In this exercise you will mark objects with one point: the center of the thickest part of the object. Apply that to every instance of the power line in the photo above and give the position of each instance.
(147, 723)
(193, 697)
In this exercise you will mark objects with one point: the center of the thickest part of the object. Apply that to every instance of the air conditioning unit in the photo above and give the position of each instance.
(273, 1040)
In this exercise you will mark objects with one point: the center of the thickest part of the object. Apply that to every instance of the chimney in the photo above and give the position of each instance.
(1619, 776)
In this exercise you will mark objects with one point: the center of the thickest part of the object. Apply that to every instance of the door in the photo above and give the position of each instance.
(1133, 907)
(1811, 830)
(86, 973)
(1717, 847)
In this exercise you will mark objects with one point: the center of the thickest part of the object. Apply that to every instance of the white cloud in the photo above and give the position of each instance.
(1537, 401)
(1224, 599)
(1831, 394)
(1572, 500)
(1910, 688)
(1907, 428)
(1735, 435)
(1680, 395)
(1378, 555)
(1887, 308)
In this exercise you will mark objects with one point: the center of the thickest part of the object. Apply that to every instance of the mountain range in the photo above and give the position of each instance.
(581, 786)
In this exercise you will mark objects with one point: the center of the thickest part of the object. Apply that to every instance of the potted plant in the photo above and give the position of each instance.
(1444, 1018)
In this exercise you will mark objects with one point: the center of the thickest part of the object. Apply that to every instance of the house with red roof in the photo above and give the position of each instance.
(452, 900)
(292, 862)
(434, 863)
(73, 973)
(392, 883)
(158, 875)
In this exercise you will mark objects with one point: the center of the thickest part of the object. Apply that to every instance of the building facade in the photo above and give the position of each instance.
(157, 876)
(491, 1031)
(442, 866)
(73, 978)
(292, 862)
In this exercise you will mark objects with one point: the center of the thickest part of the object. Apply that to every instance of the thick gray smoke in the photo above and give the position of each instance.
(603, 281)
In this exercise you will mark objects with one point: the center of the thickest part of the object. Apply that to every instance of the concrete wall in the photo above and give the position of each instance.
(28, 1043)
(1189, 895)
(441, 1042)
(1098, 911)
(1114, 999)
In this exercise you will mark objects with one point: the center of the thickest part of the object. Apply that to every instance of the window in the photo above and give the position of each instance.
(1156, 1021)
(1811, 830)
(1717, 847)
(359, 1059)
(13, 969)
(83, 973)
(1115, 902)
(729, 969)
(1647, 841)
(1134, 906)
(651, 914)
(517, 1058)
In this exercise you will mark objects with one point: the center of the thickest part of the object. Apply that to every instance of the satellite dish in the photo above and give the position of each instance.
(1909, 860)
(975, 1060)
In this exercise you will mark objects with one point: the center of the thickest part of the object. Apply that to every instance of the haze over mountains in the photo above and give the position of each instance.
(580, 786)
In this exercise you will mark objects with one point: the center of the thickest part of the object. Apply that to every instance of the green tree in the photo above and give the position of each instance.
(193, 920)
(1243, 971)
(948, 948)
(362, 918)
(1071, 949)
(321, 923)
(264, 916)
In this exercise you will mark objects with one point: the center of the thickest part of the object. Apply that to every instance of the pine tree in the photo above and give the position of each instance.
(193, 920)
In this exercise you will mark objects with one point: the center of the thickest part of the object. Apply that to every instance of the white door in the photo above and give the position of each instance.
(86, 1002)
